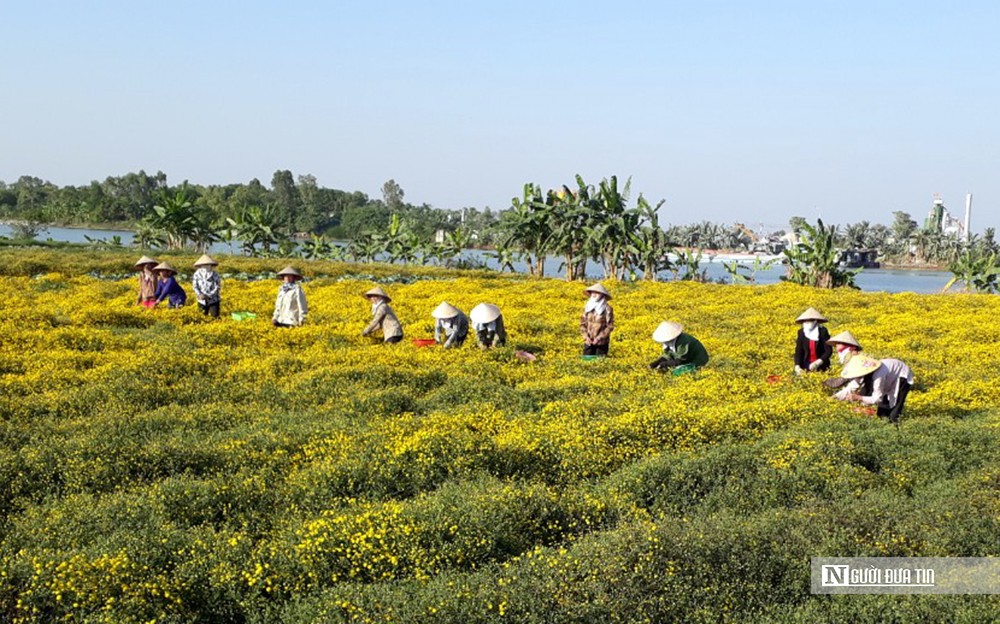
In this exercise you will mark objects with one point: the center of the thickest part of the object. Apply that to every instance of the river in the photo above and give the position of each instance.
(885, 280)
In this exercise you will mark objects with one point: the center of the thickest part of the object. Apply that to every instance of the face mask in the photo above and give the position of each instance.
(810, 325)
(844, 356)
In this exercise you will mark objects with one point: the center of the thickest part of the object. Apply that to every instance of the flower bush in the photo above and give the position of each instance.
(157, 465)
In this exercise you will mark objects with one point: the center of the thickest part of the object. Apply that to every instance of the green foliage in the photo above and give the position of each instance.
(689, 261)
(815, 259)
(743, 274)
(977, 269)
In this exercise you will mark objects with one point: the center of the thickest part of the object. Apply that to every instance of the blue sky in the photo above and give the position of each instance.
(729, 111)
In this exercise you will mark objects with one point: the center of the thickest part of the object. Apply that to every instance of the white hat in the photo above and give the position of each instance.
(378, 292)
(445, 311)
(844, 337)
(859, 366)
(667, 331)
(598, 288)
(812, 314)
(484, 313)
(163, 266)
(288, 270)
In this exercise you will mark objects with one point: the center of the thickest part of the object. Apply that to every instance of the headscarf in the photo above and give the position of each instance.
(596, 304)
(844, 355)
(669, 345)
(377, 303)
(491, 326)
(287, 286)
(811, 330)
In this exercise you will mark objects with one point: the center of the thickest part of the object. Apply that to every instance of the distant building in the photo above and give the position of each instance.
(940, 221)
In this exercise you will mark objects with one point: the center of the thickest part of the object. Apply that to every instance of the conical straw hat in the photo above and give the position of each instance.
(206, 259)
(667, 331)
(378, 292)
(289, 270)
(163, 266)
(598, 288)
(844, 337)
(484, 313)
(146, 260)
(445, 311)
(859, 366)
(812, 314)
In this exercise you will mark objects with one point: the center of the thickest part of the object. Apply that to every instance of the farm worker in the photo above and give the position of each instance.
(383, 317)
(147, 282)
(883, 384)
(207, 285)
(597, 321)
(845, 345)
(290, 308)
(452, 326)
(812, 353)
(488, 323)
(168, 288)
(679, 349)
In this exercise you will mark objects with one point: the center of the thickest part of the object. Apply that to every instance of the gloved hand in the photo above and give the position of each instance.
(799, 370)
(815, 366)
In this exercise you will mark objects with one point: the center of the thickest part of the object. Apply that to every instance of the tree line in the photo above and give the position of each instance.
(291, 205)
(576, 223)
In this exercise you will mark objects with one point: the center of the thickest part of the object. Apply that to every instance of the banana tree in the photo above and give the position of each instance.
(650, 243)
(316, 248)
(977, 268)
(174, 218)
(257, 226)
(395, 242)
(454, 244)
(147, 235)
(527, 228)
(570, 212)
(611, 226)
(363, 248)
(504, 257)
(815, 259)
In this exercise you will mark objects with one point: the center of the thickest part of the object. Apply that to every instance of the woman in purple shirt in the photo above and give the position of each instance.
(168, 288)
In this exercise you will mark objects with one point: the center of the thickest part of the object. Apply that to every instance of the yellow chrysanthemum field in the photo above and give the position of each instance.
(156, 465)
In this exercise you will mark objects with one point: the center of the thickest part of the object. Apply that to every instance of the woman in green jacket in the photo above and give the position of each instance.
(679, 349)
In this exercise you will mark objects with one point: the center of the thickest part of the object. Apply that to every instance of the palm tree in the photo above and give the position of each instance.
(856, 235)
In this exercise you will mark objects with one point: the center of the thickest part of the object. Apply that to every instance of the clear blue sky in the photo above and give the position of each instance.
(731, 111)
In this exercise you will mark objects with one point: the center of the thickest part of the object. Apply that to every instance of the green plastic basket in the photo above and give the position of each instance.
(243, 316)
(684, 369)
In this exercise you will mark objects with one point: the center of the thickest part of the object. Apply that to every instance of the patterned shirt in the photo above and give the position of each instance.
(207, 285)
